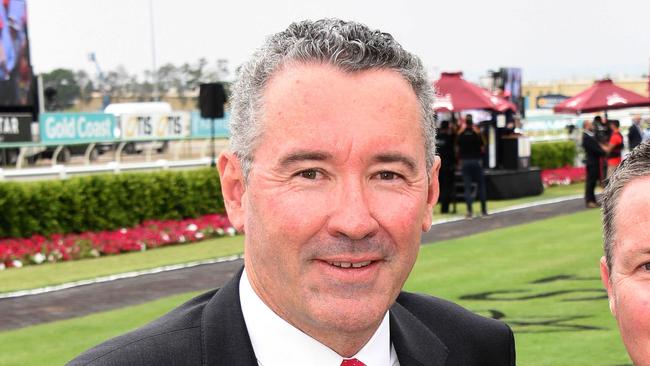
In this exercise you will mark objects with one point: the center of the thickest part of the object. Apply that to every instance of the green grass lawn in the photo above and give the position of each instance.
(541, 278)
(51, 274)
(36, 276)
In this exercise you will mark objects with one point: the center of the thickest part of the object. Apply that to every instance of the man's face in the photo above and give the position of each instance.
(337, 198)
(628, 285)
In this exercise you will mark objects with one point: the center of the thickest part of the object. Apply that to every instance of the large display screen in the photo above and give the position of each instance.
(16, 75)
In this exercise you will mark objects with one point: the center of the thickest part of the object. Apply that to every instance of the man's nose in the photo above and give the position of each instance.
(351, 215)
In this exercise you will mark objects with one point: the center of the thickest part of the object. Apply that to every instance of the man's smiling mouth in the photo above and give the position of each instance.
(350, 264)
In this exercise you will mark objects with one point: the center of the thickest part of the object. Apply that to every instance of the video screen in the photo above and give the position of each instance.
(16, 75)
(512, 82)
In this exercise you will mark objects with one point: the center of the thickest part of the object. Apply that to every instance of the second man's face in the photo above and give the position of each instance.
(628, 284)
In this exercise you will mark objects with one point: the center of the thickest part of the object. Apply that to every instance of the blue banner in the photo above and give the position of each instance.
(70, 128)
(201, 126)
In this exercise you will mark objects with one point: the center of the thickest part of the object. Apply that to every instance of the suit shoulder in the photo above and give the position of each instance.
(174, 338)
(463, 331)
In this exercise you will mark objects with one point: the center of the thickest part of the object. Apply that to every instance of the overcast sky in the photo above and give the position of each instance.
(549, 39)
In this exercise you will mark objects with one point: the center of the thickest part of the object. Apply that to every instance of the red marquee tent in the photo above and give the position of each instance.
(453, 93)
(602, 96)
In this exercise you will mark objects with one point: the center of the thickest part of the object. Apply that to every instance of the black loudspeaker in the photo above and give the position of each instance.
(211, 100)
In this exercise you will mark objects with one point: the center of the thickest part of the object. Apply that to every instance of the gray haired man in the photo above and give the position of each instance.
(625, 268)
(332, 176)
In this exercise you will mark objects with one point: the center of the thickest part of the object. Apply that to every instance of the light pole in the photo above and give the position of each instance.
(154, 74)
(213, 159)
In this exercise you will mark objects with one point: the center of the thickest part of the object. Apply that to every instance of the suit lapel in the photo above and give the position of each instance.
(225, 339)
(414, 343)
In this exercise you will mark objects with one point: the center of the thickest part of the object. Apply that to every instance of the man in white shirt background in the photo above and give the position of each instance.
(331, 175)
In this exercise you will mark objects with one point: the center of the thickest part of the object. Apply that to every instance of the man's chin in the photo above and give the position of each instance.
(349, 315)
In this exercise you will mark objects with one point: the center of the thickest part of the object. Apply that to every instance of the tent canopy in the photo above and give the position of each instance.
(453, 93)
(602, 96)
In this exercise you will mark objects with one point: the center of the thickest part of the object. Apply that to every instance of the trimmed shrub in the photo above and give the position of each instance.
(106, 201)
(551, 155)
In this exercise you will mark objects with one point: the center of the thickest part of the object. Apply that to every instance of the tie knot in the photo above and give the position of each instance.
(352, 362)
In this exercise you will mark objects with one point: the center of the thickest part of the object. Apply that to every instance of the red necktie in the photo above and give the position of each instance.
(352, 362)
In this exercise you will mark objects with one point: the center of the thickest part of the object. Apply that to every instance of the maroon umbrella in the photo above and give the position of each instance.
(602, 96)
(453, 93)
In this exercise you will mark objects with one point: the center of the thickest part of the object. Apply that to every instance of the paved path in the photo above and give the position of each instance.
(82, 300)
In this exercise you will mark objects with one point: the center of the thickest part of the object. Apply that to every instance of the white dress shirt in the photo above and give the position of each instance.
(278, 343)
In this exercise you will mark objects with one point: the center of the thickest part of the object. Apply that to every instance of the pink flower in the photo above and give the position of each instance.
(14, 252)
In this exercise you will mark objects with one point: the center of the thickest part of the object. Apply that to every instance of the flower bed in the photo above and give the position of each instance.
(563, 176)
(150, 234)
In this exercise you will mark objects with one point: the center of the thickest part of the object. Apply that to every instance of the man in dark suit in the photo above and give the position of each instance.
(446, 148)
(594, 151)
(635, 133)
(332, 176)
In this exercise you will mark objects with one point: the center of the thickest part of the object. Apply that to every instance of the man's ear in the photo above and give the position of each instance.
(606, 278)
(433, 190)
(233, 189)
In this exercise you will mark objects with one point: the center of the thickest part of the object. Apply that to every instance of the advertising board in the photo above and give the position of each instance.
(154, 126)
(71, 128)
(15, 127)
(201, 126)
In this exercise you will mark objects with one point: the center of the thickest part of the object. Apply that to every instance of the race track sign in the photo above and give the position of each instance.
(201, 126)
(70, 128)
(155, 126)
(15, 127)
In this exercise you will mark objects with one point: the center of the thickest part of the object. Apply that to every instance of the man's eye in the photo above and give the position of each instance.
(388, 175)
(647, 266)
(309, 174)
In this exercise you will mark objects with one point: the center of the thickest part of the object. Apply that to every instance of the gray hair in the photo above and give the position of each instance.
(349, 46)
(635, 165)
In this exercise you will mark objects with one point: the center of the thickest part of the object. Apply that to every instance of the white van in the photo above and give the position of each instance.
(138, 114)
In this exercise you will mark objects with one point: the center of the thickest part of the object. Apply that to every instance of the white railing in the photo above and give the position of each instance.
(63, 172)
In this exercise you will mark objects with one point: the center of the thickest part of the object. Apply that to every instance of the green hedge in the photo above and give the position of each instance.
(106, 202)
(549, 155)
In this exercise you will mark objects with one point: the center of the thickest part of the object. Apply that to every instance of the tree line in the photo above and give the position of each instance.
(65, 88)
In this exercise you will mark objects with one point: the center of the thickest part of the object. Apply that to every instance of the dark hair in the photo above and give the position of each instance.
(469, 120)
(614, 122)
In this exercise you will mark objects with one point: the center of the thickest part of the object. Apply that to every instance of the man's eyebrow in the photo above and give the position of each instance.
(298, 156)
(396, 158)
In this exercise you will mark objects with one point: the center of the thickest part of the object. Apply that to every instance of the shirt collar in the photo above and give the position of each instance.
(276, 342)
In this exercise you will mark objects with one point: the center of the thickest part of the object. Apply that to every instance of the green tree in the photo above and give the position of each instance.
(66, 89)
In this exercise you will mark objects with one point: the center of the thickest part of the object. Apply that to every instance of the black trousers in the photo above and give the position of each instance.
(473, 172)
(593, 175)
(447, 180)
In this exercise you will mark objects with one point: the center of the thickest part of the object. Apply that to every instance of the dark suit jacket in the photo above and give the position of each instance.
(593, 151)
(634, 136)
(210, 330)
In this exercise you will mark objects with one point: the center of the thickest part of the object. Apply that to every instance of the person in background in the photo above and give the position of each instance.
(446, 148)
(614, 148)
(602, 133)
(625, 267)
(593, 154)
(635, 133)
(470, 151)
